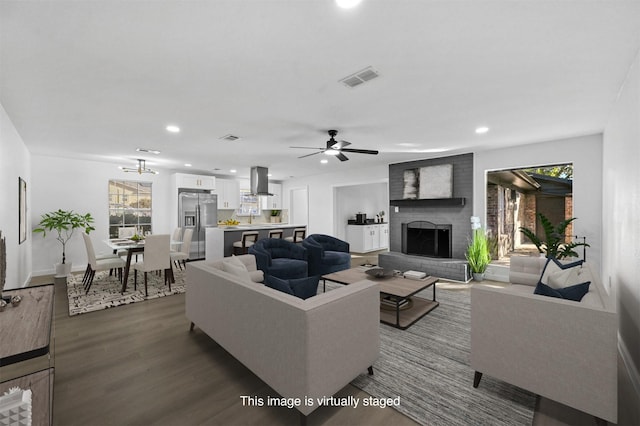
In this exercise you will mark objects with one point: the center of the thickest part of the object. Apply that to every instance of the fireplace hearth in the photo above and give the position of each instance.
(424, 238)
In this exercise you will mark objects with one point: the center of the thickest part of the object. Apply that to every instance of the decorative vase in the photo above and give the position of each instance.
(478, 276)
(62, 269)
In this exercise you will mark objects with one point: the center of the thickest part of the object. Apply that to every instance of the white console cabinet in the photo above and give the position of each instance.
(366, 238)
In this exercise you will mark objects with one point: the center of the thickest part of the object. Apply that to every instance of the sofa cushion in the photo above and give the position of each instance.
(303, 288)
(554, 266)
(574, 292)
(235, 267)
(256, 276)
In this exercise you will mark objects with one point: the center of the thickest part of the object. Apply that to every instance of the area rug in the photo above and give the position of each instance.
(427, 366)
(105, 291)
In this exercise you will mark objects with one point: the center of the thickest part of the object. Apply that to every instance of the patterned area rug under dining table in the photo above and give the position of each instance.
(105, 290)
(428, 367)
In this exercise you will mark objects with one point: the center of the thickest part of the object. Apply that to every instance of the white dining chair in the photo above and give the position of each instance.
(299, 234)
(96, 265)
(179, 258)
(156, 258)
(247, 240)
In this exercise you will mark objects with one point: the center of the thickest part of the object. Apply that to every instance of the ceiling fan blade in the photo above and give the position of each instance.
(306, 147)
(309, 155)
(361, 151)
(342, 157)
(340, 144)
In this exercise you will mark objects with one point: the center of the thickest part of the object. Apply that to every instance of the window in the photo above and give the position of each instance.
(249, 204)
(129, 206)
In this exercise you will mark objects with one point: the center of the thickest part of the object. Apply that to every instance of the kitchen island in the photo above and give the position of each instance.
(219, 241)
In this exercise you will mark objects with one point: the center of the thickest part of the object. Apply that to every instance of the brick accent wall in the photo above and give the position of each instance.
(458, 217)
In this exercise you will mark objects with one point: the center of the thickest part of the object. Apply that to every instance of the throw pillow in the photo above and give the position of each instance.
(278, 284)
(306, 287)
(574, 292)
(234, 266)
(554, 265)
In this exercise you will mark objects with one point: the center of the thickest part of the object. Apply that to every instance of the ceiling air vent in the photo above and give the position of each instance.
(230, 138)
(360, 77)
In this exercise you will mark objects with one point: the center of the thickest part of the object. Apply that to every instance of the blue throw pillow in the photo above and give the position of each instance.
(278, 284)
(303, 288)
(574, 292)
(306, 287)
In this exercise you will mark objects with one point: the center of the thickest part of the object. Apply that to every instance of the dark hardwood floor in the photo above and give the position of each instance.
(139, 365)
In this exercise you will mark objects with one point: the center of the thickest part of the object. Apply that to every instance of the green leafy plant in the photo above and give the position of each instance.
(64, 223)
(554, 245)
(478, 252)
(275, 213)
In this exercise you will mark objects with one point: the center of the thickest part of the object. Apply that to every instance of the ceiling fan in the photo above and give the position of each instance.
(336, 148)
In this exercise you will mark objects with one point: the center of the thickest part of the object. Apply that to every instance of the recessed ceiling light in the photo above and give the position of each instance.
(348, 4)
(173, 128)
(324, 161)
(269, 175)
(233, 171)
(187, 165)
(481, 130)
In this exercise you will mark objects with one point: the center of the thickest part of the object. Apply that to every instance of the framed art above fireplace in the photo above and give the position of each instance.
(429, 182)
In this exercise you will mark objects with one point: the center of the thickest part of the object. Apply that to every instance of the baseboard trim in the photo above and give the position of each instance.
(632, 369)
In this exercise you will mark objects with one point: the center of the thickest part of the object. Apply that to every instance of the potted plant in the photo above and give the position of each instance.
(554, 245)
(275, 216)
(478, 254)
(64, 223)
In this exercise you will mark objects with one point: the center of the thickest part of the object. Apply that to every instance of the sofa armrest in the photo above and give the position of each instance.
(559, 349)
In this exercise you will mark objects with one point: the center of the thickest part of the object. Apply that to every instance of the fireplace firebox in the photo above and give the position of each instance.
(423, 238)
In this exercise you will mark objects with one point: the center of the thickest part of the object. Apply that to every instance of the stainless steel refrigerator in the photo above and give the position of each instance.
(197, 210)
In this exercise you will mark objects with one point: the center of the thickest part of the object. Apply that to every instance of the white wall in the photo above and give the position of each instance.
(621, 216)
(321, 194)
(585, 152)
(82, 186)
(14, 162)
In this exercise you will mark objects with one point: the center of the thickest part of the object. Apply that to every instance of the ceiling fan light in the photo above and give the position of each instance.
(332, 152)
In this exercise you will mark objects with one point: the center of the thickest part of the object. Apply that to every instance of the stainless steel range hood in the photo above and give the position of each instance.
(259, 181)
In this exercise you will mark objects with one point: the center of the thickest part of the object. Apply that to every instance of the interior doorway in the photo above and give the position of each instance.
(299, 214)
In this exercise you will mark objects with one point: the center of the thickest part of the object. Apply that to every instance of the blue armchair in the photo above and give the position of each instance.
(280, 258)
(327, 254)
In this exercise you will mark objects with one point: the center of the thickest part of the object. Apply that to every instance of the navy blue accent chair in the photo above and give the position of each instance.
(280, 258)
(327, 254)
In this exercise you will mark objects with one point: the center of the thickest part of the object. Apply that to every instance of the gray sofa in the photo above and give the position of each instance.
(560, 349)
(311, 347)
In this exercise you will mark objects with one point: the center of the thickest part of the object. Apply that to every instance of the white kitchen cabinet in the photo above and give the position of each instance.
(366, 238)
(184, 180)
(272, 202)
(228, 191)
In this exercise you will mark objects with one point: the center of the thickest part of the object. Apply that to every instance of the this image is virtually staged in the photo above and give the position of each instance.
(319, 212)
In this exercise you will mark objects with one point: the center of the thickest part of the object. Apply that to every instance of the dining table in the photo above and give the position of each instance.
(132, 247)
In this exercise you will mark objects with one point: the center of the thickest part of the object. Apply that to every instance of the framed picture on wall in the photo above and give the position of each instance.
(22, 210)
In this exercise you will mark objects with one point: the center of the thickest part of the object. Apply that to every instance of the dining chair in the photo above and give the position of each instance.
(179, 258)
(299, 234)
(156, 258)
(248, 239)
(276, 233)
(177, 234)
(96, 265)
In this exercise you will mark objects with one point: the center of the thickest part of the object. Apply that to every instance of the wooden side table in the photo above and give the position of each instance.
(25, 331)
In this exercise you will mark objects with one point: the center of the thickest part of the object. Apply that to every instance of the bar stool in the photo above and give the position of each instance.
(299, 234)
(276, 233)
(248, 239)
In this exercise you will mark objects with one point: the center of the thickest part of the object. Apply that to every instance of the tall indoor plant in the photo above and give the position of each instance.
(478, 254)
(553, 245)
(64, 223)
